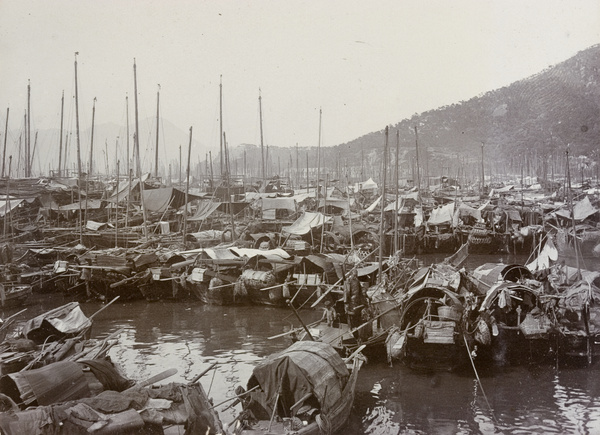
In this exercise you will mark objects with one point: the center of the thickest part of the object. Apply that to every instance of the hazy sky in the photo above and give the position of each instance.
(367, 64)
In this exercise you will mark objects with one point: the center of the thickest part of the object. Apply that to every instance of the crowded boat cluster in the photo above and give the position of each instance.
(348, 251)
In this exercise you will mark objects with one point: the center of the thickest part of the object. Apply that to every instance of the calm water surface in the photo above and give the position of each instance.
(190, 337)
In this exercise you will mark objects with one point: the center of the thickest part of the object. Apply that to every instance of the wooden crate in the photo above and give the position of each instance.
(439, 332)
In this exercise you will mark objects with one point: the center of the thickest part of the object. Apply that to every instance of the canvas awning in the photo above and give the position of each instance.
(6, 206)
(581, 210)
(442, 215)
(278, 204)
(205, 209)
(158, 200)
(305, 223)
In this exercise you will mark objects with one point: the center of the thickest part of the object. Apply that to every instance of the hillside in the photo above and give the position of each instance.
(529, 123)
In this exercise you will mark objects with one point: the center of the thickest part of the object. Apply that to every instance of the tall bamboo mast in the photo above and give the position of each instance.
(157, 130)
(5, 136)
(60, 145)
(319, 158)
(78, 152)
(221, 126)
(397, 187)
(262, 147)
(482, 171)
(571, 209)
(91, 163)
(28, 133)
(137, 150)
(117, 203)
(382, 223)
(228, 181)
(417, 160)
(127, 121)
(187, 189)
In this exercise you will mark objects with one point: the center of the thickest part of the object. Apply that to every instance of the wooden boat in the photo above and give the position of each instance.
(171, 408)
(306, 389)
(14, 294)
(516, 324)
(435, 312)
(57, 335)
(579, 326)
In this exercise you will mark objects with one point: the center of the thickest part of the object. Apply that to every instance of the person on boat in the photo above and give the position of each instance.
(329, 313)
(354, 300)
(287, 294)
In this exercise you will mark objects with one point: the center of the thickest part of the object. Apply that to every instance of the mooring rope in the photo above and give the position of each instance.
(479, 380)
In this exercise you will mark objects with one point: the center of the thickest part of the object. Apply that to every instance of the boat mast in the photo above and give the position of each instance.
(60, 145)
(136, 143)
(221, 124)
(187, 189)
(417, 160)
(382, 223)
(117, 202)
(228, 180)
(78, 153)
(482, 171)
(91, 164)
(570, 200)
(211, 170)
(397, 187)
(319, 160)
(28, 134)
(157, 128)
(5, 136)
(6, 214)
(262, 147)
(127, 127)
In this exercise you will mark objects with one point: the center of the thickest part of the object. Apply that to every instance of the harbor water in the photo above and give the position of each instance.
(190, 337)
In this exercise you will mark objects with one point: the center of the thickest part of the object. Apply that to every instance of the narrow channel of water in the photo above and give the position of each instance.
(190, 337)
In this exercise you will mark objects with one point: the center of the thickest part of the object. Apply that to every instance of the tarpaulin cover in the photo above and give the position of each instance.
(581, 210)
(124, 190)
(442, 215)
(305, 223)
(90, 204)
(267, 253)
(366, 185)
(464, 211)
(305, 367)
(67, 319)
(57, 382)
(278, 204)
(548, 254)
(158, 200)
(370, 208)
(8, 206)
(336, 202)
(205, 209)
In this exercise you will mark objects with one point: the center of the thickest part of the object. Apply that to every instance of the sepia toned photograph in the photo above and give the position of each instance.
(299, 217)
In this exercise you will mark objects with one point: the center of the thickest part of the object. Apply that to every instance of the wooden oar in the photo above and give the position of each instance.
(275, 286)
(356, 352)
(291, 331)
(103, 308)
(197, 378)
(238, 396)
(154, 379)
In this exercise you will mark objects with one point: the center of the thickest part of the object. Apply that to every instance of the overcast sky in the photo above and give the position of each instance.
(366, 64)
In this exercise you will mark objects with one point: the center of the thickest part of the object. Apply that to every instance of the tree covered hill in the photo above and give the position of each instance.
(528, 123)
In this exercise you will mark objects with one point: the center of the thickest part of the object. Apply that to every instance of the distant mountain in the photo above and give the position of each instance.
(528, 123)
